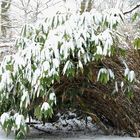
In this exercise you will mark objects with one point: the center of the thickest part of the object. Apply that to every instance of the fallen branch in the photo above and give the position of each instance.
(127, 12)
(32, 123)
(39, 129)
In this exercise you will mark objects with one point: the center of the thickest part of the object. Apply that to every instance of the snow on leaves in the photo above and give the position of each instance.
(68, 40)
(4, 117)
(45, 106)
(104, 75)
(130, 75)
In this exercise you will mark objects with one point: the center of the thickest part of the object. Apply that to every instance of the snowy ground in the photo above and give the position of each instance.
(68, 127)
(89, 136)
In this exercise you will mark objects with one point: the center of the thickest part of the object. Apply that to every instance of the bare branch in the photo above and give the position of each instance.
(131, 10)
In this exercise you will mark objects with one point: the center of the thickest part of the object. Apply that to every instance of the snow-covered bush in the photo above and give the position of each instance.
(62, 45)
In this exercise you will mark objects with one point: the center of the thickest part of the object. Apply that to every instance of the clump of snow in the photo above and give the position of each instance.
(19, 120)
(52, 97)
(4, 117)
(45, 106)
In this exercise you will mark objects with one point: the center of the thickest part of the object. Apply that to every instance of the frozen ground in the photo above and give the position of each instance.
(89, 136)
(68, 127)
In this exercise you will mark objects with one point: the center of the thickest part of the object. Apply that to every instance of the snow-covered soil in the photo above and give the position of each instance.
(77, 136)
(68, 127)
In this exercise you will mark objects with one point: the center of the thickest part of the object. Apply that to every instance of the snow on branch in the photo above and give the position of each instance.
(62, 45)
(131, 10)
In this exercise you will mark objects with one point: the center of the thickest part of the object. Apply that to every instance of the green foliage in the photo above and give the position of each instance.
(15, 122)
(60, 46)
(104, 75)
(135, 17)
(137, 43)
